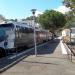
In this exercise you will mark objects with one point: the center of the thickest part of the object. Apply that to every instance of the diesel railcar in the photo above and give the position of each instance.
(16, 36)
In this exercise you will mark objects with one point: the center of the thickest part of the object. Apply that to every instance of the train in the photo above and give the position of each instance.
(18, 36)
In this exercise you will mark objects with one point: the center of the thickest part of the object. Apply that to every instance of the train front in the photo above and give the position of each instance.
(7, 37)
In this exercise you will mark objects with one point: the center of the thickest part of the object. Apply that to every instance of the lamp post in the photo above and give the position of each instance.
(70, 34)
(33, 12)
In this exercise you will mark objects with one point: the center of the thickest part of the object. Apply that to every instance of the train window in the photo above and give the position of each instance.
(17, 31)
(17, 28)
(31, 30)
(26, 30)
(23, 30)
(2, 35)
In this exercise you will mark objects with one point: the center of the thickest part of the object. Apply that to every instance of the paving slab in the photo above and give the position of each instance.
(49, 61)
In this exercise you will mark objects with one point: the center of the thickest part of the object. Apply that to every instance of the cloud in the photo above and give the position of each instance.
(38, 12)
(62, 9)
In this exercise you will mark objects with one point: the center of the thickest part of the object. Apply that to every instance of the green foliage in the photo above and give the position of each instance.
(70, 4)
(52, 20)
(31, 18)
(70, 16)
(10, 20)
(69, 24)
(23, 19)
(15, 20)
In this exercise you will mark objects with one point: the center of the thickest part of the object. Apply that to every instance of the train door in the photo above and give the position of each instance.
(10, 37)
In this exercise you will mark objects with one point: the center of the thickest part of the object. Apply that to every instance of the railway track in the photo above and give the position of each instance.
(11, 60)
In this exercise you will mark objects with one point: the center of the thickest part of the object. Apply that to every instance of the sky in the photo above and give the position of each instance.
(22, 8)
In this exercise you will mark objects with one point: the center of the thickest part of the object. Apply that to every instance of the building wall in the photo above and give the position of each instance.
(66, 32)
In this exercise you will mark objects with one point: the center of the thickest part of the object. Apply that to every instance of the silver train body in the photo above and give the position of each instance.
(18, 35)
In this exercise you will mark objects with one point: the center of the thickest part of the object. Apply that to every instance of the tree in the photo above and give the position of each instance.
(16, 20)
(71, 14)
(12, 20)
(31, 18)
(70, 4)
(23, 19)
(2, 17)
(52, 20)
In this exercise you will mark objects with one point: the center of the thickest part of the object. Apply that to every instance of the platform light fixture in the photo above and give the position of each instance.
(33, 13)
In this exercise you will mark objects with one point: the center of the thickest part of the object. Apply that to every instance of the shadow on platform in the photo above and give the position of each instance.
(48, 48)
(39, 62)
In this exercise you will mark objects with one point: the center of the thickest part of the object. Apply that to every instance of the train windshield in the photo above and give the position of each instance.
(2, 35)
(9, 25)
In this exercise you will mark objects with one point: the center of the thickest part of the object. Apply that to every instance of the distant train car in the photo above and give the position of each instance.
(15, 36)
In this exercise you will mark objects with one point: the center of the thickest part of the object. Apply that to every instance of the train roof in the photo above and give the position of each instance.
(22, 24)
(19, 24)
(15, 25)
